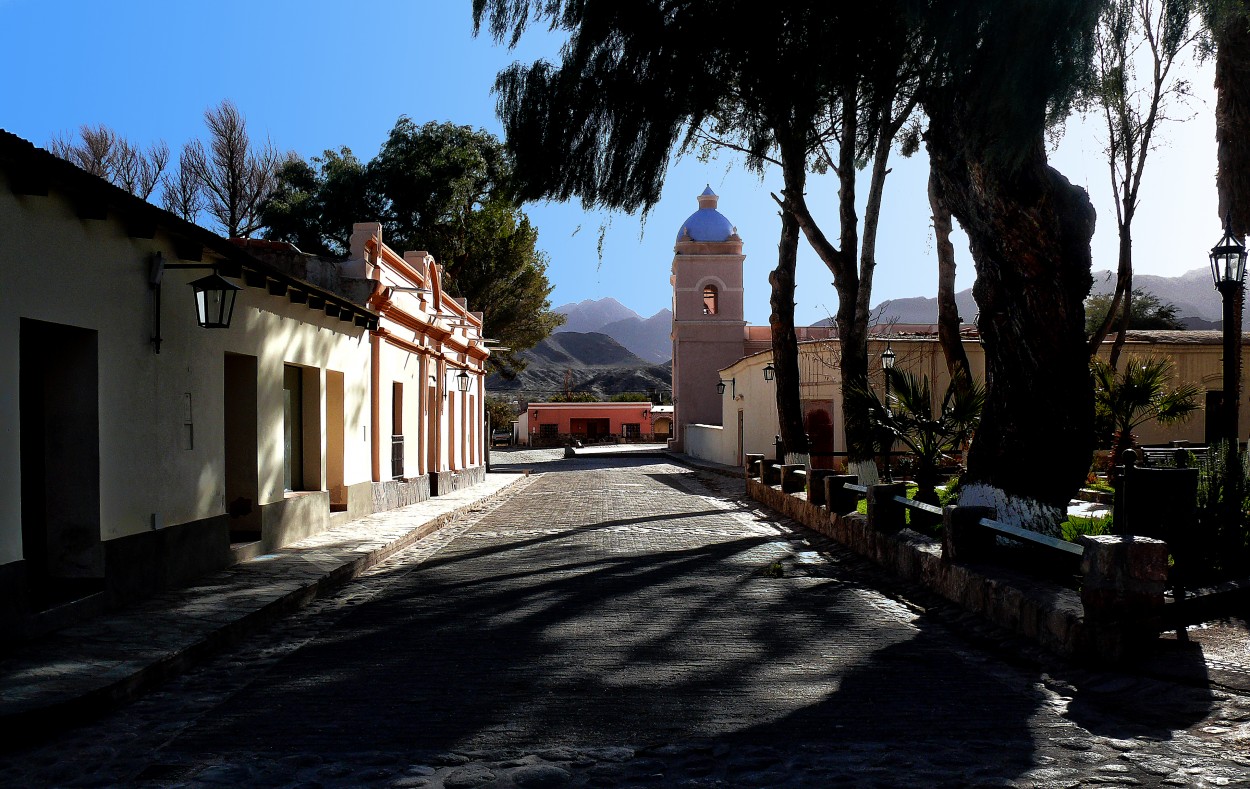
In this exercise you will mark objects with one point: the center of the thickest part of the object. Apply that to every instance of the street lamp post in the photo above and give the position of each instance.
(1228, 270)
(887, 364)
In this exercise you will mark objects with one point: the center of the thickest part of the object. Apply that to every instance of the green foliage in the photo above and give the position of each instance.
(316, 202)
(949, 494)
(911, 419)
(1147, 312)
(1139, 393)
(1007, 71)
(773, 570)
(574, 397)
(1224, 511)
(640, 81)
(501, 412)
(629, 397)
(1100, 485)
(433, 179)
(1075, 526)
(437, 187)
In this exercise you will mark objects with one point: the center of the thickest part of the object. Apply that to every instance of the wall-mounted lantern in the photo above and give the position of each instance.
(214, 301)
(462, 381)
(769, 372)
(214, 296)
(720, 387)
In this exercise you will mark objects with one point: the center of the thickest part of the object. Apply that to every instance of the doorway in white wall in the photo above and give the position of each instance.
(59, 405)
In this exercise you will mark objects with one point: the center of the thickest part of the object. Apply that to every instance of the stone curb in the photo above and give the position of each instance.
(731, 472)
(587, 454)
(27, 722)
(1048, 615)
(1041, 613)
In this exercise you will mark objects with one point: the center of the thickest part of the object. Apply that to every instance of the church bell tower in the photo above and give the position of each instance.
(708, 325)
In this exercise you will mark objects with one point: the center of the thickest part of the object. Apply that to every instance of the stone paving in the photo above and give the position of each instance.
(85, 667)
(634, 623)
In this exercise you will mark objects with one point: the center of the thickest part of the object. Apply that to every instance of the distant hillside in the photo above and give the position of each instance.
(588, 349)
(588, 315)
(593, 362)
(649, 338)
(1191, 293)
(921, 309)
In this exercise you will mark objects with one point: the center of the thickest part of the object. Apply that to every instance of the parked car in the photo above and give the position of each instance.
(500, 438)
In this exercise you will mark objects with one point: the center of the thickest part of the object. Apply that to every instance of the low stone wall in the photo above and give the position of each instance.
(1045, 612)
(392, 494)
(444, 482)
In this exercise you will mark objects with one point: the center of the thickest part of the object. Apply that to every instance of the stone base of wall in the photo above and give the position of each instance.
(135, 566)
(140, 564)
(1049, 614)
(295, 517)
(395, 493)
(444, 482)
(359, 500)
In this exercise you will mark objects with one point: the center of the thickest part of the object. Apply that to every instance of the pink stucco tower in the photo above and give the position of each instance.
(707, 312)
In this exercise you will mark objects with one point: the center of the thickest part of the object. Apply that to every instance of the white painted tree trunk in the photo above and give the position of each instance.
(1019, 511)
(866, 470)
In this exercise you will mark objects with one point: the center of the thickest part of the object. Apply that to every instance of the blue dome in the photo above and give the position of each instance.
(706, 224)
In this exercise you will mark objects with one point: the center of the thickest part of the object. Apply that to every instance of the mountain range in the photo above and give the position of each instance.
(605, 347)
(1196, 300)
(581, 362)
(649, 338)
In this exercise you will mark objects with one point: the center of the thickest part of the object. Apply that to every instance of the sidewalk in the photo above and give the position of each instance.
(1211, 654)
(85, 669)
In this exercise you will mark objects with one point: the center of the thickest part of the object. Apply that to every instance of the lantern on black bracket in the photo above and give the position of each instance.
(769, 371)
(214, 301)
(462, 381)
(214, 296)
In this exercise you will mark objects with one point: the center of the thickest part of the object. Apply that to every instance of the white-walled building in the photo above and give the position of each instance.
(138, 450)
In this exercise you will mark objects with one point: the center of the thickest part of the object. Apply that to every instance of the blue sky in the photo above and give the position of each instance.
(316, 74)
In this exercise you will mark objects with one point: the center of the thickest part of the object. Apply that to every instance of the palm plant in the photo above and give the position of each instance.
(911, 420)
(1125, 400)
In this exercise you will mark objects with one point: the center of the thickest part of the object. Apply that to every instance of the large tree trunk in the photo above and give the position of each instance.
(852, 333)
(1232, 116)
(1030, 231)
(1125, 281)
(948, 311)
(785, 341)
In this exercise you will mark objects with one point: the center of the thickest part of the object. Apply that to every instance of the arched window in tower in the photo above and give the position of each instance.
(711, 300)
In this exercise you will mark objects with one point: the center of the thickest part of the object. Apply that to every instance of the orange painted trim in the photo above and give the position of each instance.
(375, 405)
(410, 321)
(406, 345)
(396, 263)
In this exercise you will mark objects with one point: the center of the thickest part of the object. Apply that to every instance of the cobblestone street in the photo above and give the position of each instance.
(630, 622)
